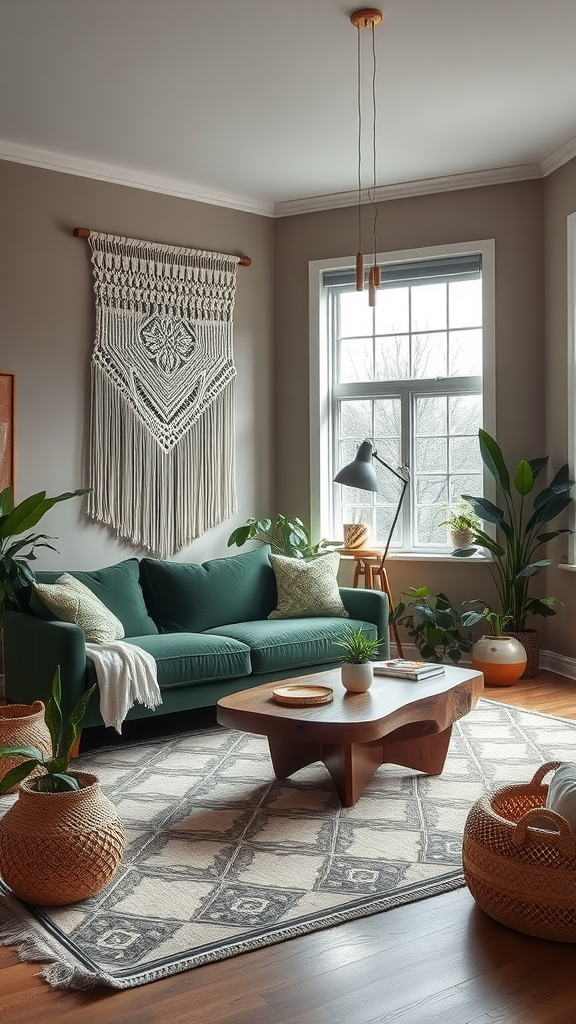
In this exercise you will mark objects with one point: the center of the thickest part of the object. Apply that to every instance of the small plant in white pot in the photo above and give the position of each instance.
(360, 650)
(462, 522)
(500, 657)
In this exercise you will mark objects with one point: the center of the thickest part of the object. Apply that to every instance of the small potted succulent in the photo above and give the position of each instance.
(360, 650)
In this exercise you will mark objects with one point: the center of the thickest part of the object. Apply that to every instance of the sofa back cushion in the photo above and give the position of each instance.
(185, 597)
(117, 587)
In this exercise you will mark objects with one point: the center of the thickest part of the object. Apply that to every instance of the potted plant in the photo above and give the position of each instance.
(462, 523)
(285, 535)
(62, 840)
(518, 536)
(500, 657)
(359, 652)
(433, 624)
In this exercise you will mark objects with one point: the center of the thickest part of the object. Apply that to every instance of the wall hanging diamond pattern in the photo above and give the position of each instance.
(162, 453)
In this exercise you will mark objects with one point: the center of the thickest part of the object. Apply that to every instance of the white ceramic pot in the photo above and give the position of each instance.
(357, 678)
(502, 659)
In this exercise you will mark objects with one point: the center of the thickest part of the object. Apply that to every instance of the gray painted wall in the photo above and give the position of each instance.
(48, 331)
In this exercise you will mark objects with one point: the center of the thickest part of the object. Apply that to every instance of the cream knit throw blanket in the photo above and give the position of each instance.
(126, 676)
(162, 453)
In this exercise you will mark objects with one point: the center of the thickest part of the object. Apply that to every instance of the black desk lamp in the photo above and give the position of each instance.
(361, 473)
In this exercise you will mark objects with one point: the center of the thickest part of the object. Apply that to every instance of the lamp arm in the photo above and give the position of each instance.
(403, 474)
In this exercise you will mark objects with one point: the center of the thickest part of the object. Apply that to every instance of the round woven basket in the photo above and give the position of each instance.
(519, 873)
(58, 848)
(23, 725)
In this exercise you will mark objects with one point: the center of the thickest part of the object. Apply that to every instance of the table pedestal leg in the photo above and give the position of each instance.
(426, 754)
(351, 765)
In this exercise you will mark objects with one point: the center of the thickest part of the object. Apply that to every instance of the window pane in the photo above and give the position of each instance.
(392, 357)
(429, 356)
(356, 316)
(384, 519)
(356, 360)
(465, 353)
(392, 311)
(465, 415)
(431, 490)
(431, 455)
(356, 421)
(387, 418)
(464, 454)
(465, 304)
(428, 307)
(427, 529)
(469, 483)
(431, 416)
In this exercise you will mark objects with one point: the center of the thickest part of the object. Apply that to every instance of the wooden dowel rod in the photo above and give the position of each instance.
(244, 261)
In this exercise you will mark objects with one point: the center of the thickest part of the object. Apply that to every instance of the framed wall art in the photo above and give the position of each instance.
(6, 430)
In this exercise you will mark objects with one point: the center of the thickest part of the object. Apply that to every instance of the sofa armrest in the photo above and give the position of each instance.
(371, 606)
(33, 648)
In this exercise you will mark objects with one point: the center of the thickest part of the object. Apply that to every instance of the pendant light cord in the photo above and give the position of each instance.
(372, 192)
(359, 102)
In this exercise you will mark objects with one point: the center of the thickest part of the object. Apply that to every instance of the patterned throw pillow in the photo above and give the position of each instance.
(71, 601)
(307, 587)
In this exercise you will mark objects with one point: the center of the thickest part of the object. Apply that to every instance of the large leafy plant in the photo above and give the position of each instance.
(433, 624)
(55, 777)
(518, 525)
(285, 535)
(16, 551)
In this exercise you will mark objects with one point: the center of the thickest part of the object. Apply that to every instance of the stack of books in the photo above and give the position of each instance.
(400, 668)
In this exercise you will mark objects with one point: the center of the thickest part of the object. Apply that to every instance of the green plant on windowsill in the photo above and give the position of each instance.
(460, 517)
(358, 647)
(433, 624)
(56, 777)
(285, 535)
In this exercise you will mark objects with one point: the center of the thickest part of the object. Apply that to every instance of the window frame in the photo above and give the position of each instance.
(571, 375)
(322, 396)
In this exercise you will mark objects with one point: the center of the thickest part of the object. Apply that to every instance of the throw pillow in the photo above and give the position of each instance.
(562, 793)
(71, 601)
(307, 586)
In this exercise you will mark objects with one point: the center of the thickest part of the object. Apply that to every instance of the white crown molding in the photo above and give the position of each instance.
(127, 176)
(559, 156)
(407, 189)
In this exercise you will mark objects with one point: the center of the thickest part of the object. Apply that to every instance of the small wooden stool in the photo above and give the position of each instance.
(370, 574)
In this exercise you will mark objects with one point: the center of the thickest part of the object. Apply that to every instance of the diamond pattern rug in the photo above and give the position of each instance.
(222, 858)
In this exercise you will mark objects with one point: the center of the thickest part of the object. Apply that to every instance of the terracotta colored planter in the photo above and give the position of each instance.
(502, 659)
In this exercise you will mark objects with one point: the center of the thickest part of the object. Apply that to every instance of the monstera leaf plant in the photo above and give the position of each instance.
(285, 535)
(519, 530)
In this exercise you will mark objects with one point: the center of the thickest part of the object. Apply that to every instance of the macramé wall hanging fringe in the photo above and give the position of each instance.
(162, 450)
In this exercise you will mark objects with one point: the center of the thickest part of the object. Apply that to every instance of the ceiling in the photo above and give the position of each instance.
(252, 103)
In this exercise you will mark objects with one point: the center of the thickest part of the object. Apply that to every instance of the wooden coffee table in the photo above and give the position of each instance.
(395, 722)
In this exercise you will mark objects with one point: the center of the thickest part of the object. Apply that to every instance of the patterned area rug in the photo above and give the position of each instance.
(222, 858)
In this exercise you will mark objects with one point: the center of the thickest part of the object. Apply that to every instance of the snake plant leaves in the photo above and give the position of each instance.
(523, 478)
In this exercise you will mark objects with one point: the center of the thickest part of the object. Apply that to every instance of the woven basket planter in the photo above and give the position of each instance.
(520, 874)
(58, 848)
(530, 640)
(23, 725)
(356, 535)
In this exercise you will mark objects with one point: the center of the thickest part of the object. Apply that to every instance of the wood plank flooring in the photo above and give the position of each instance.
(440, 961)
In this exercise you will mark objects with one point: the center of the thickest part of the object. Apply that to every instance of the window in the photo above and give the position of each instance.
(413, 374)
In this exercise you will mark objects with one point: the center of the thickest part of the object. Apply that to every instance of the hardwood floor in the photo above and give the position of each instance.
(440, 961)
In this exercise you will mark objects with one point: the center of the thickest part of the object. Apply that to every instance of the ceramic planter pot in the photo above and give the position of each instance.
(58, 848)
(357, 678)
(461, 538)
(502, 659)
(23, 725)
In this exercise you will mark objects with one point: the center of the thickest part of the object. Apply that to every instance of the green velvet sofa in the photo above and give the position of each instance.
(205, 625)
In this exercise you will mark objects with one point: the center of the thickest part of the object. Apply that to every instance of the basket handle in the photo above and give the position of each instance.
(564, 837)
(543, 770)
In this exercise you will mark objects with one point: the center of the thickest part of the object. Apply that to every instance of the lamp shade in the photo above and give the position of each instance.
(360, 473)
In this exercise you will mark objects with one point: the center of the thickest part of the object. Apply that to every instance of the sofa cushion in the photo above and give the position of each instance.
(280, 644)
(184, 658)
(192, 598)
(307, 586)
(71, 601)
(117, 586)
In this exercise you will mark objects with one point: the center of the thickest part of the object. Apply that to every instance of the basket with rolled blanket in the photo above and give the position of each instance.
(519, 854)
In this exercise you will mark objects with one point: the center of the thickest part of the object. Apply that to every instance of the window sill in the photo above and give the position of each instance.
(566, 565)
(421, 556)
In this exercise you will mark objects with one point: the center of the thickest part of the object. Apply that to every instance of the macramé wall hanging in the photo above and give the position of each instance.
(161, 447)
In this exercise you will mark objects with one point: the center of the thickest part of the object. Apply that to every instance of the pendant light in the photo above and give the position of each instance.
(367, 18)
